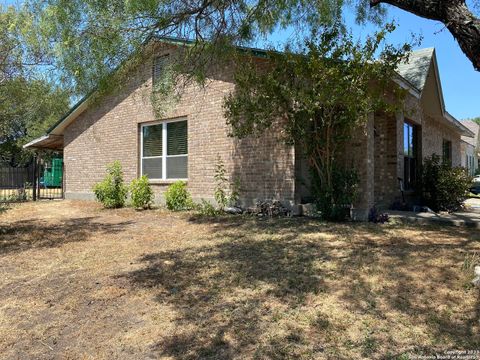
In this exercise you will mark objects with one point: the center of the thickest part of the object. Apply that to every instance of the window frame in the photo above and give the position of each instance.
(165, 155)
(410, 160)
(448, 161)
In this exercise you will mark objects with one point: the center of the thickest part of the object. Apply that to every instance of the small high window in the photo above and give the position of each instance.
(164, 150)
(447, 152)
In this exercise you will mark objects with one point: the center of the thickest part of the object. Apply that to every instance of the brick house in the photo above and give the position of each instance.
(186, 143)
(470, 147)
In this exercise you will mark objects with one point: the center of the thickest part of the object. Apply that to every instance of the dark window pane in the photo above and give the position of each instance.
(177, 138)
(406, 172)
(152, 168)
(152, 140)
(447, 152)
(177, 167)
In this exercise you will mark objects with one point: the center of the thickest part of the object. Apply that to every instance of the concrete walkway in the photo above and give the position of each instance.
(469, 218)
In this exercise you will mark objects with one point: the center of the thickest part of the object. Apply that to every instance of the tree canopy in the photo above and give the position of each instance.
(88, 38)
(317, 97)
(29, 102)
(28, 108)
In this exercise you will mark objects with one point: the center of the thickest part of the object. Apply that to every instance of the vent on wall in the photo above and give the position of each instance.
(159, 63)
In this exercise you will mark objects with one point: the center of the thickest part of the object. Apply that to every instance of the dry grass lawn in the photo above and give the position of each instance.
(79, 282)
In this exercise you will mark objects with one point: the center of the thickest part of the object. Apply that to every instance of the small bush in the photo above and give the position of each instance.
(112, 192)
(141, 193)
(444, 188)
(334, 204)
(206, 209)
(177, 197)
(226, 193)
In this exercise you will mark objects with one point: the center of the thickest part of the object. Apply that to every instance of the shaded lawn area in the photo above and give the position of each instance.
(79, 282)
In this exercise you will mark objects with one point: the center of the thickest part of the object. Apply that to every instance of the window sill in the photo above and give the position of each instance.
(165, 182)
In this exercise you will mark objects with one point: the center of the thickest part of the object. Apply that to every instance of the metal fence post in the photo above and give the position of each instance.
(34, 182)
(39, 167)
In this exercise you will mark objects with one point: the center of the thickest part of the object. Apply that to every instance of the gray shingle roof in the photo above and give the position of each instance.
(415, 71)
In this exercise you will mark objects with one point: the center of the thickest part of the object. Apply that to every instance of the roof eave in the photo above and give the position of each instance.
(405, 84)
(464, 131)
(48, 142)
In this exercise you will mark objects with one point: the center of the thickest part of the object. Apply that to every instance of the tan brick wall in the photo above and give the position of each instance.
(433, 133)
(110, 131)
(363, 160)
(265, 167)
(386, 159)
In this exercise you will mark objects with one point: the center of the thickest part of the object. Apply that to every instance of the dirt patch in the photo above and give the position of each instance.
(80, 282)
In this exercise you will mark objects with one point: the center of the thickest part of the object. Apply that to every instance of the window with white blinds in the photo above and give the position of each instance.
(164, 150)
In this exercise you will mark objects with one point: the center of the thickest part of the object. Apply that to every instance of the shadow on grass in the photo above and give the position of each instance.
(226, 294)
(23, 235)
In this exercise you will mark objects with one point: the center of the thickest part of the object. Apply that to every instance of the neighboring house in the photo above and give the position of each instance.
(186, 143)
(471, 148)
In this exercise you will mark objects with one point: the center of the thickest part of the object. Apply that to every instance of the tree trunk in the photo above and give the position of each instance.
(456, 16)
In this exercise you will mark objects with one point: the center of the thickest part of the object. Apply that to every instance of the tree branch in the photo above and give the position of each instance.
(457, 17)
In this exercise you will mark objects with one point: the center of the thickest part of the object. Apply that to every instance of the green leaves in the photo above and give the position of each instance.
(141, 193)
(86, 39)
(27, 109)
(317, 97)
(112, 191)
(444, 188)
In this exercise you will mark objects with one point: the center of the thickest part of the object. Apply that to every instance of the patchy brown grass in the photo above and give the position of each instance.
(79, 282)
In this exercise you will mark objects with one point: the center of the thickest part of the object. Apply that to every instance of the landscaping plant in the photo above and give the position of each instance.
(444, 188)
(334, 202)
(226, 193)
(112, 191)
(177, 197)
(318, 97)
(206, 209)
(141, 193)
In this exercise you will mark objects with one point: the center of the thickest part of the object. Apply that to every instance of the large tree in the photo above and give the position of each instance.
(22, 53)
(88, 38)
(457, 16)
(29, 103)
(28, 108)
(318, 97)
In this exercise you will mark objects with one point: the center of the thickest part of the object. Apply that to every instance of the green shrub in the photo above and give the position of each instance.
(141, 193)
(334, 204)
(444, 188)
(226, 194)
(177, 197)
(112, 192)
(206, 209)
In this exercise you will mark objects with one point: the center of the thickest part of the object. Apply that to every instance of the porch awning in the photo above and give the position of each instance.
(48, 142)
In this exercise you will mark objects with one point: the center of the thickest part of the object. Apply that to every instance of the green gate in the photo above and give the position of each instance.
(53, 174)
